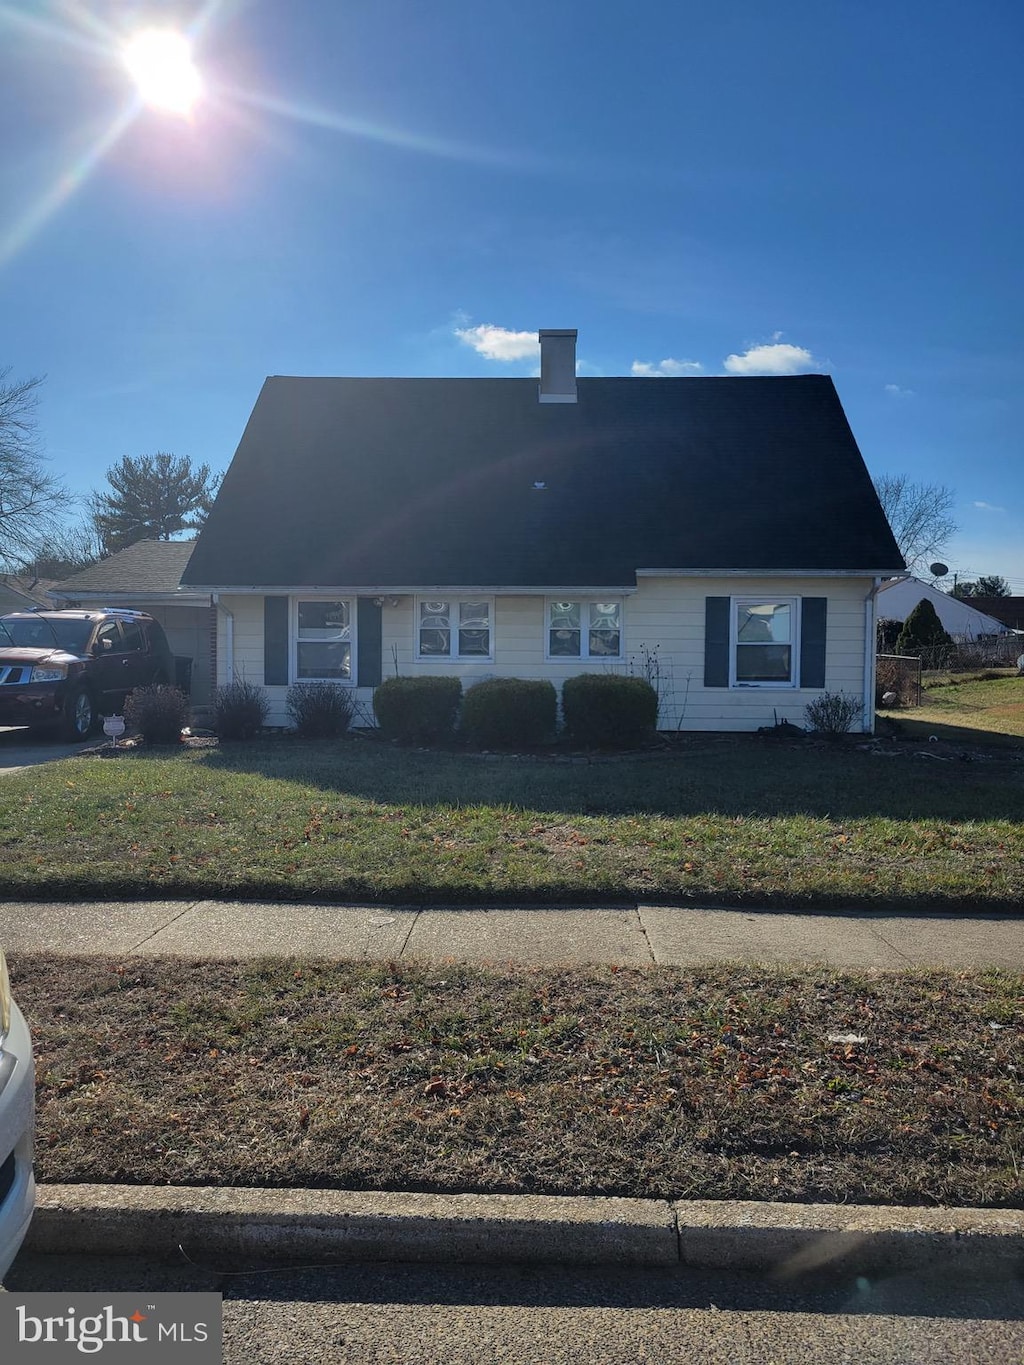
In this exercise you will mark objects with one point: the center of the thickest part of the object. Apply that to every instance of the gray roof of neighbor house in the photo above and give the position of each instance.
(21, 591)
(474, 482)
(1009, 610)
(148, 567)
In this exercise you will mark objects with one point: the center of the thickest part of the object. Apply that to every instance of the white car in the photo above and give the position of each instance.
(17, 1121)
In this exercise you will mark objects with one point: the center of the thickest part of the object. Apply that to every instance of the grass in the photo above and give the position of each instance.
(729, 820)
(715, 1083)
(968, 708)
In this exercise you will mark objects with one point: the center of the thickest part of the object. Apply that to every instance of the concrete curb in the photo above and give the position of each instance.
(335, 1225)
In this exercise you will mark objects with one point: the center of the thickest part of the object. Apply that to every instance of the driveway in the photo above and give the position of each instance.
(19, 749)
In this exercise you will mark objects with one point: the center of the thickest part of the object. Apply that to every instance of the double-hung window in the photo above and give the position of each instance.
(454, 628)
(323, 640)
(584, 629)
(764, 652)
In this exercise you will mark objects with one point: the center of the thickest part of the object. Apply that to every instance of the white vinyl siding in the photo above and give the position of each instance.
(662, 622)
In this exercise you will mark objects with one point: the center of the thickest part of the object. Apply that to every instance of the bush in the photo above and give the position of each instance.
(603, 711)
(832, 714)
(157, 713)
(888, 632)
(240, 710)
(417, 710)
(320, 710)
(924, 636)
(503, 713)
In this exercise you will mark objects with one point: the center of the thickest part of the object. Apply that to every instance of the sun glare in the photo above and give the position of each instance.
(160, 62)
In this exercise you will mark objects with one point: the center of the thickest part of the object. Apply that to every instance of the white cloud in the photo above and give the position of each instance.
(897, 392)
(665, 369)
(988, 507)
(500, 343)
(777, 358)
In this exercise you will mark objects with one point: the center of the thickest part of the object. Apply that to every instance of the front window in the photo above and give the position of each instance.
(584, 630)
(763, 642)
(323, 644)
(454, 628)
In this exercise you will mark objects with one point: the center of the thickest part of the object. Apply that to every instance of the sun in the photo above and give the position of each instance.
(160, 62)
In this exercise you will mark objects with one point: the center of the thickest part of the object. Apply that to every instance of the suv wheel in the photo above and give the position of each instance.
(79, 715)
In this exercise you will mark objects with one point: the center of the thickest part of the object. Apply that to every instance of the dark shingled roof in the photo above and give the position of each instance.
(148, 566)
(407, 482)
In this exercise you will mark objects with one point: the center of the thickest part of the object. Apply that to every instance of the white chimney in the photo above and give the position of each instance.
(558, 366)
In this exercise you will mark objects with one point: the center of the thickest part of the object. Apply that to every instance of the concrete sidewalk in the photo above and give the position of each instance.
(290, 1225)
(633, 935)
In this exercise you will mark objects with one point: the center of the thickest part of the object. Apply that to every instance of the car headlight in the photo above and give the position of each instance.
(49, 674)
(5, 1000)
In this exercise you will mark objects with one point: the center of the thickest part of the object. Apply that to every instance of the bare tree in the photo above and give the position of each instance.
(921, 517)
(31, 499)
(63, 551)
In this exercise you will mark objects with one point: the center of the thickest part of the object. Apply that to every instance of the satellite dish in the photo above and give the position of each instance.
(937, 569)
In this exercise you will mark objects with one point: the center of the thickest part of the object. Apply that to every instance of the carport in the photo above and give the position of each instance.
(147, 577)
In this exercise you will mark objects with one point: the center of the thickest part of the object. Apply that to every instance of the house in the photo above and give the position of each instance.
(147, 577)
(21, 592)
(720, 534)
(959, 618)
(1008, 610)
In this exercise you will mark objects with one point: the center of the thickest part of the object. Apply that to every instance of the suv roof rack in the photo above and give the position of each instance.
(79, 611)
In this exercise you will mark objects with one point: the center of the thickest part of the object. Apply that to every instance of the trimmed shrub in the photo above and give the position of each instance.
(832, 714)
(240, 710)
(417, 710)
(504, 713)
(158, 713)
(604, 711)
(924, 636)
(320, 710)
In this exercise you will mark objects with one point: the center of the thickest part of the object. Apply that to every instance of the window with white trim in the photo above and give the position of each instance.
(454, 628)
(322, 640)
(584, 629)
(764, 645)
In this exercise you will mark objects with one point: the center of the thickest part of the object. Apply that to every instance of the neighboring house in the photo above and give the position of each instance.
(959, 618)
(722, 534)
(21, 592)
(147, 577)
(1008, 610)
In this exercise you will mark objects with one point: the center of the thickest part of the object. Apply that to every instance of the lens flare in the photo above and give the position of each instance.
(160, 62)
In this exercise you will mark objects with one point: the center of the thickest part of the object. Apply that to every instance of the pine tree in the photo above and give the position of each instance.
(923, 634)
(153, 498)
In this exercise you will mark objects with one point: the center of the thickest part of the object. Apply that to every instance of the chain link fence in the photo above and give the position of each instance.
(897, 680)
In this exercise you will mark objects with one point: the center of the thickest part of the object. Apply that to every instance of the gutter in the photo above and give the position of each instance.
(229, 635)
(870, 635)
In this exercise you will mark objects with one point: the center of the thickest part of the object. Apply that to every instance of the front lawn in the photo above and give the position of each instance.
(719, 819)
(713, 1083)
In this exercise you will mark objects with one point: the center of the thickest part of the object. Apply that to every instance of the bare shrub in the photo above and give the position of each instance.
(832, 714)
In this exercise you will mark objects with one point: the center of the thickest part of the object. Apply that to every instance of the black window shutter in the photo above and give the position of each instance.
(368, 642)
(717, 611)
(813, 611)
(275, 641)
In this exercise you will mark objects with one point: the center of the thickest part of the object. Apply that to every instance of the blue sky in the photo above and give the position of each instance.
(399, 188)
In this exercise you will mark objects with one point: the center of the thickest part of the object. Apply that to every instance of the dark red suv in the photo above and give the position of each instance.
(69, 668)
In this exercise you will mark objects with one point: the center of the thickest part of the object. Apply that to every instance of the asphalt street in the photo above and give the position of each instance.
(546, 1315)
